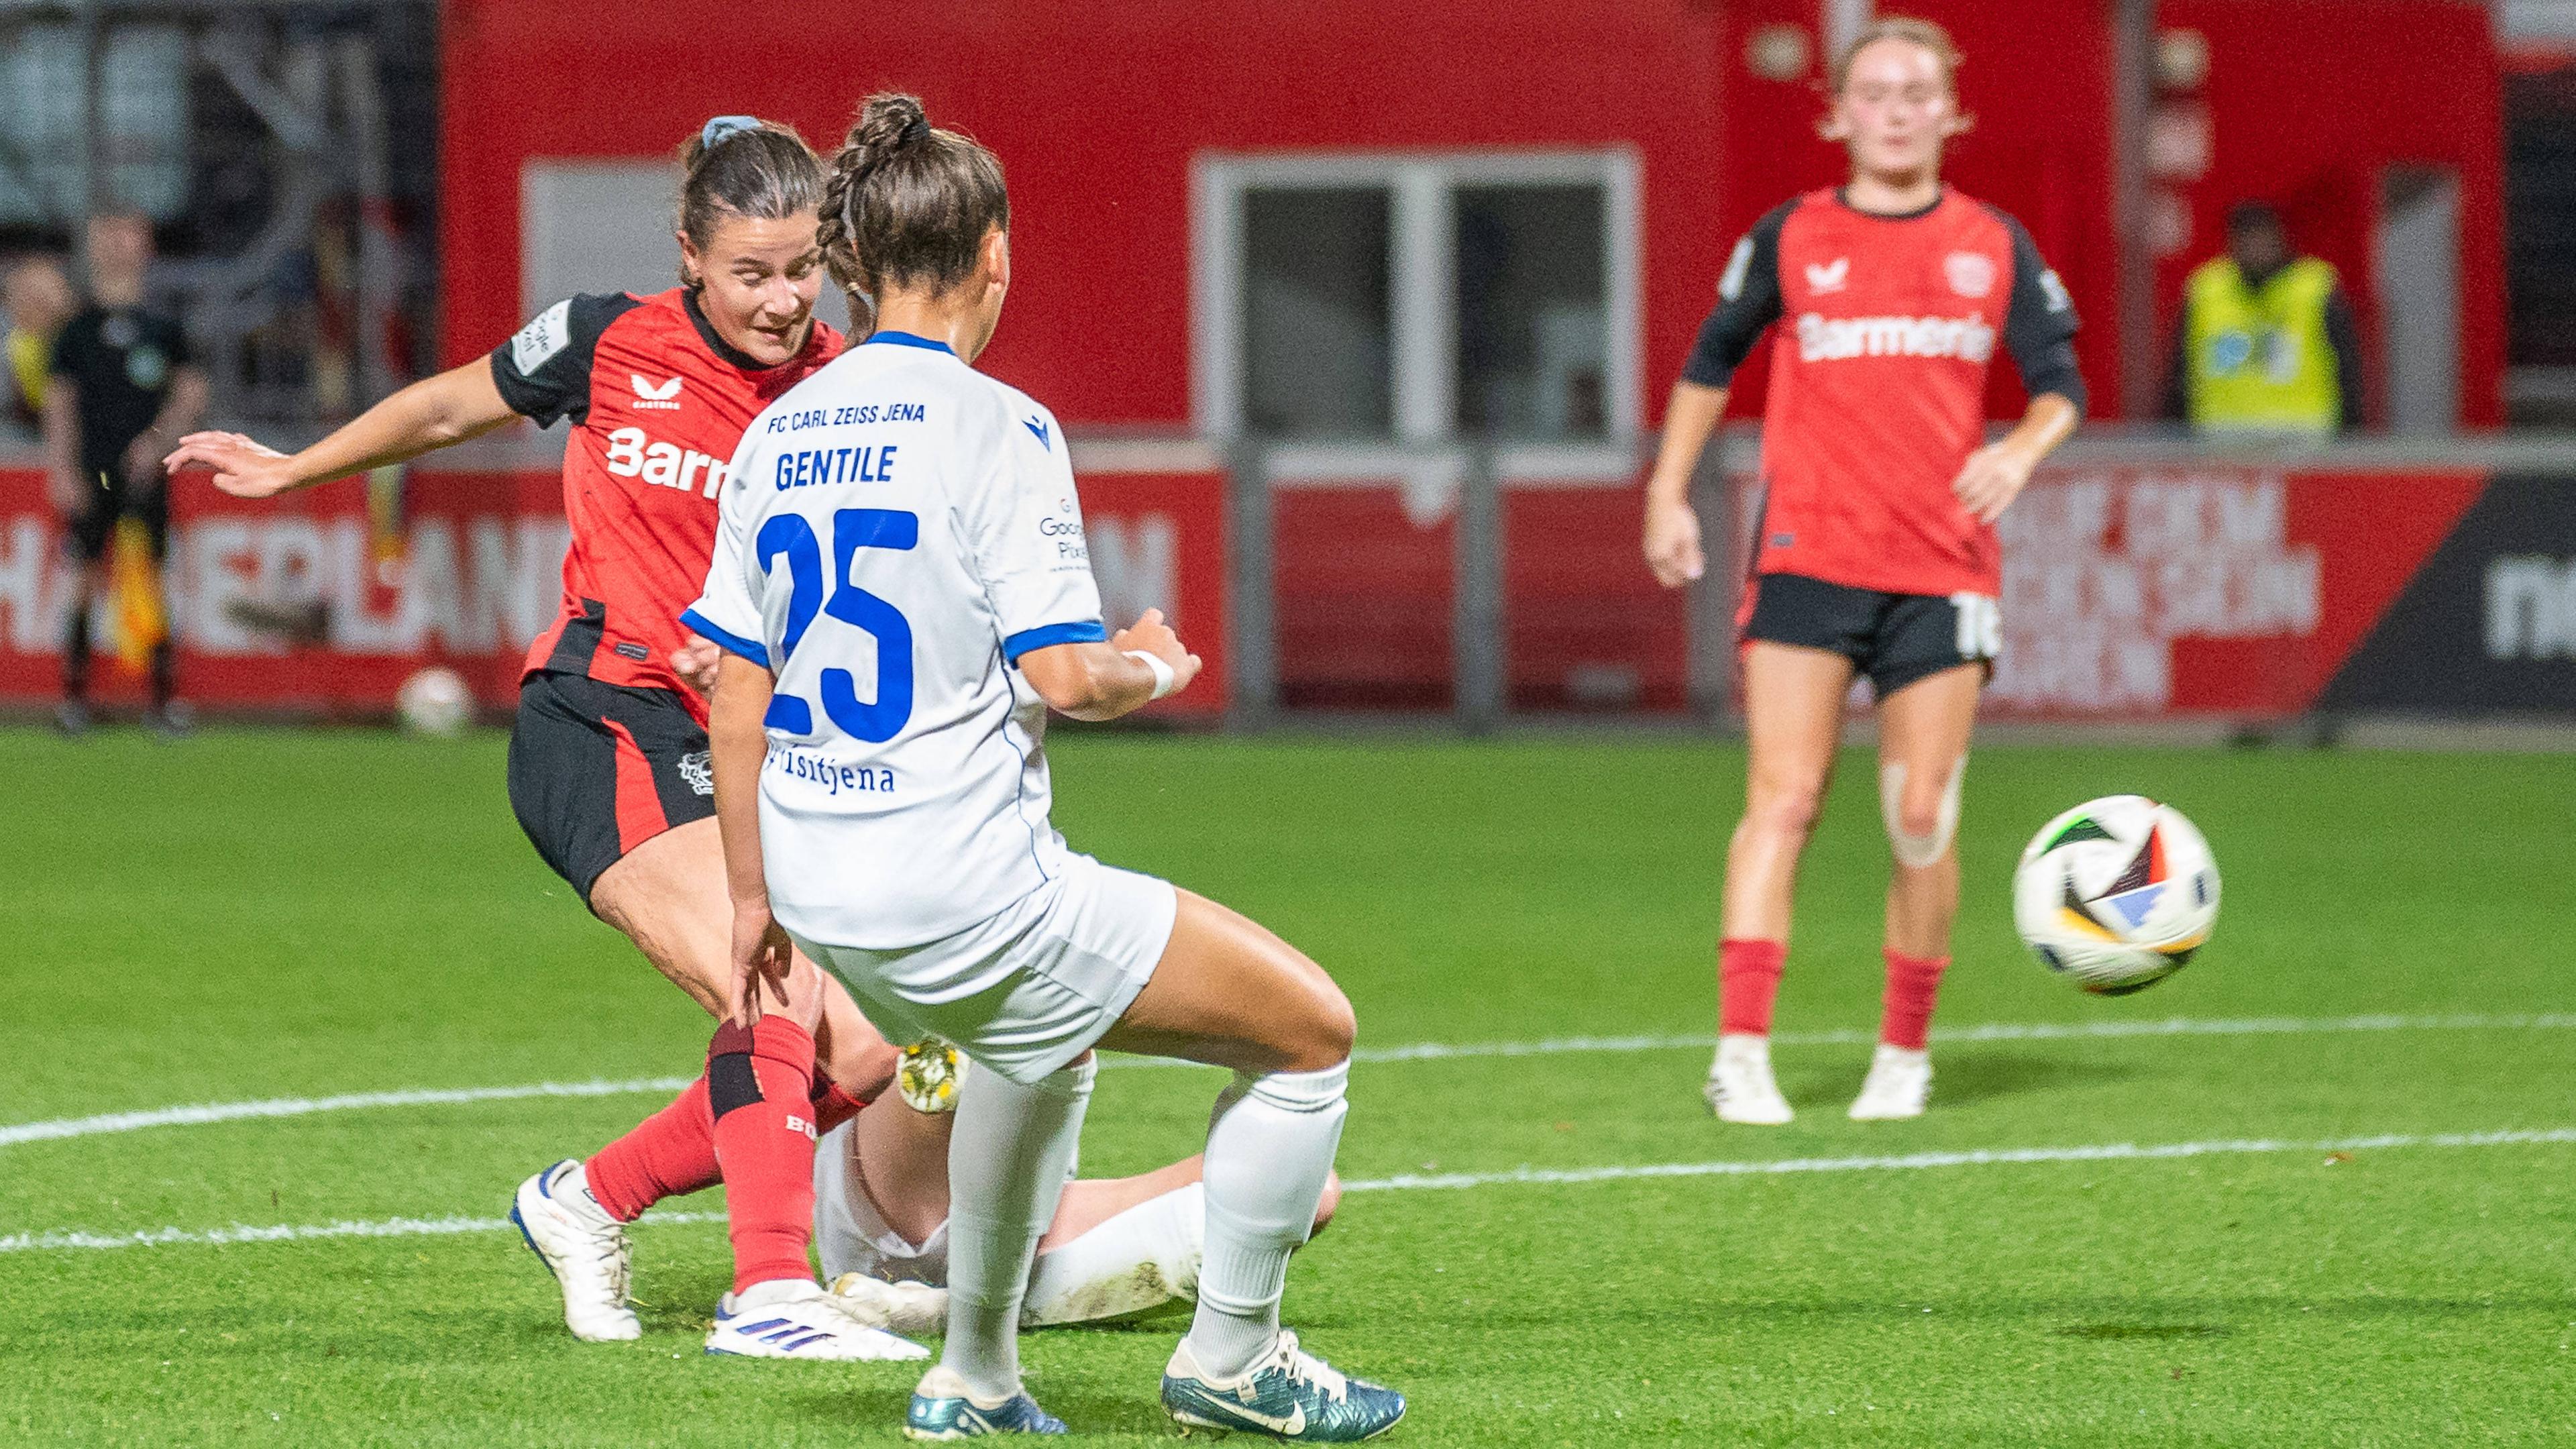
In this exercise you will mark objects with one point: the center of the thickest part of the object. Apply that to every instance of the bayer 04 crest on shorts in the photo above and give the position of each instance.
(2116, 894)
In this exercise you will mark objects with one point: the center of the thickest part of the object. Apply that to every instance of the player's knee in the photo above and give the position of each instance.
(1325, 1039)
(1921, 812)
(1784, 808)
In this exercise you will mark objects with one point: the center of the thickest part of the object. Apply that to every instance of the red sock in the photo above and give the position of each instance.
(832, 1106)
(669, 1153)
(760, 1085)
(1912, 983)
(1748, 977)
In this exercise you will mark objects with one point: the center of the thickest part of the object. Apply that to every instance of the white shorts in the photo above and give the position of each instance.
(851, 1238)
(1026, 991)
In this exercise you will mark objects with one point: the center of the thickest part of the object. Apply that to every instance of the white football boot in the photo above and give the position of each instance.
(906, 1307)
(1900, 1083)
(584, 1248)
(795, 1318)
(1740, 1085)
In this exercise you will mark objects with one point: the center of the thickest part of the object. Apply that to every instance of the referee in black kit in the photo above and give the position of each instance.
(122, 392)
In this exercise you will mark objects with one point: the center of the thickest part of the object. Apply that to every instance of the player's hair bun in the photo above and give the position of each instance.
(907, 203)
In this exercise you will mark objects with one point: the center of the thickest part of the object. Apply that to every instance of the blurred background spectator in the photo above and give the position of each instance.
(39, 299)
(2266, 342)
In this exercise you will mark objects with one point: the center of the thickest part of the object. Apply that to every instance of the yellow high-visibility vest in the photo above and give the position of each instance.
(31, 360)
(2259, 357)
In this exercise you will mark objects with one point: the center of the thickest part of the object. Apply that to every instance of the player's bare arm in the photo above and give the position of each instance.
(1673, 548)
(436, 412)
(738, 744)
(1096, 681)
(1995, 474)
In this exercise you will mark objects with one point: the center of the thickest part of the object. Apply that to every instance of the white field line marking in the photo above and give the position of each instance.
(286, 1232)
(1973, 1157)
(1991, 1031)
(213, 1112)
(67, 1239)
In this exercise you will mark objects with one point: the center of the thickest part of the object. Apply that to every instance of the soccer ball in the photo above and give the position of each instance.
(435, 701)
(2116, 894)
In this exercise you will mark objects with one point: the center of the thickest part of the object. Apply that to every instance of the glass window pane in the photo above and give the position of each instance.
(1316, 348)
(1533, 289)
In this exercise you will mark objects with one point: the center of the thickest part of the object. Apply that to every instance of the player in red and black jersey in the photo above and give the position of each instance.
(608, 768)
(1875, 553)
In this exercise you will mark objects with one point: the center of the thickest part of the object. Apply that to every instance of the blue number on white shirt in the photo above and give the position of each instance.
(852, 529)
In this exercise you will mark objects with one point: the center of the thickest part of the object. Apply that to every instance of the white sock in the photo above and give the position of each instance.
(1144, 1256)
(571, 1188)
(1006, 1162)
(1270, 1148)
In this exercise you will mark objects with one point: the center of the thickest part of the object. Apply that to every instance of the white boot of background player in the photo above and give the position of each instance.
(1899, 1085)
(1740, 1085)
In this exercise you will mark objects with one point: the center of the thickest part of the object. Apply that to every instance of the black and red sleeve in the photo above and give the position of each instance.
(543, 372)
(2039, 325)
(1748, 300)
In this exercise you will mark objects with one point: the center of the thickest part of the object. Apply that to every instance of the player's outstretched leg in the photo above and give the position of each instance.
(1923, 753)
(1232, 994)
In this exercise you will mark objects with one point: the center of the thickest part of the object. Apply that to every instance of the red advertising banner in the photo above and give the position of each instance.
(464, 570)
(2211, 589)
(2207, 589)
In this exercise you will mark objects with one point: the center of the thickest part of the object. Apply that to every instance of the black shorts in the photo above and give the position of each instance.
(89, 530)
(1895, 639)
(598, 769)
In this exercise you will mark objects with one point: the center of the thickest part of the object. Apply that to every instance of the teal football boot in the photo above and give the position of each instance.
(1290, 1395)
(942, 1410)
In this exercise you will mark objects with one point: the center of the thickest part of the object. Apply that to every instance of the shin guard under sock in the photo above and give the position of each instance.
(760, 1089)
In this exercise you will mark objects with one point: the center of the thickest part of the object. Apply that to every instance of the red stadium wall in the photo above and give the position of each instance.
(1098, 108)
(2310, 102)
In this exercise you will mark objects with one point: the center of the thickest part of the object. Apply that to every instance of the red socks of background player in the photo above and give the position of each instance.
(1748, 978)
(1912, 983)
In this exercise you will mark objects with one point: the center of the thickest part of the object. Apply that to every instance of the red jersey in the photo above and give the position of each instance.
(659, 403)
(1878, 380)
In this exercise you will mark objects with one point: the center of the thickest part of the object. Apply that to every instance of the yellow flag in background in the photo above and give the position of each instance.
(141, 622)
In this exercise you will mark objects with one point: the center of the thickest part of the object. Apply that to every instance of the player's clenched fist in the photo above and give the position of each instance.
(1672, 544)
(1150, 635)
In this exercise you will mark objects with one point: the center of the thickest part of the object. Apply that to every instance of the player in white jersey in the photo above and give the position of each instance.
(901, 583)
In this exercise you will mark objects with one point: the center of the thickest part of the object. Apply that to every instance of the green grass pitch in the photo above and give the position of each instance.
(272, 915)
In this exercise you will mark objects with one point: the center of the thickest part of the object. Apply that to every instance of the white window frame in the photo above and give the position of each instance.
(1422, 286)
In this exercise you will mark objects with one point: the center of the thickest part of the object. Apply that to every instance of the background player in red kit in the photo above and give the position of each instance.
(608, 759)
(1875, 552)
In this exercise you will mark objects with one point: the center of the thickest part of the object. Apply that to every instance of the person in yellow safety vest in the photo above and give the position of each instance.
(39, 299)
(2266, 341)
